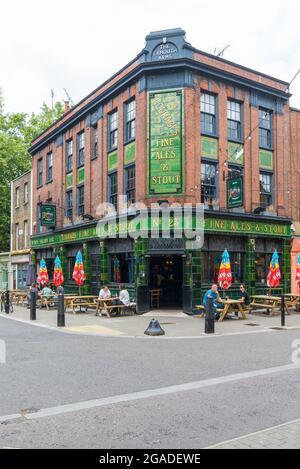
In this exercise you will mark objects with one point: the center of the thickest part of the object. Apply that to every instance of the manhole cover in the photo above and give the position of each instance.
(252, 324)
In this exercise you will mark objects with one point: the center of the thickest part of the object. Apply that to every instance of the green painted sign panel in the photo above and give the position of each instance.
(69, 181)
(165, 143)
(266, 159)
(48, 215)
(129, 153)
(80, 176)
(235, 192)
(235, 153)
(211, 225)
(112, 160)
(209, 148)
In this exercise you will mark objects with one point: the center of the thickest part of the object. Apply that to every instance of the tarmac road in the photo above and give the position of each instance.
(147, 393)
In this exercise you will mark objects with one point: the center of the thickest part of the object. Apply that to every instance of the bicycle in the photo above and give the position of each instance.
(3, 301)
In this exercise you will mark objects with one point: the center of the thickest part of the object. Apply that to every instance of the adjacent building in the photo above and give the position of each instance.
(175, 125)
(21, 223)
(4, 270)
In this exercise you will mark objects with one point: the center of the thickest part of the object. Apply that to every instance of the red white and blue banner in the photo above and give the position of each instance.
(274, 276)
(58, 277)
(298, 270)
(43, 277)
(78, 272)
(225, 275)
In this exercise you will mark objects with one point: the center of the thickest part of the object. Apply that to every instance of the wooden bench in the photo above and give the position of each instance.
(269, 303)
(107, 308)
(87, 302)
(202, 308)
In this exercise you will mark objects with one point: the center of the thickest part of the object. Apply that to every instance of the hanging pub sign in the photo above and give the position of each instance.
(48, 215)
(235, 196)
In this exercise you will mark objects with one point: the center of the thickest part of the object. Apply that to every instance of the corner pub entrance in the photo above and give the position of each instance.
(166, 274)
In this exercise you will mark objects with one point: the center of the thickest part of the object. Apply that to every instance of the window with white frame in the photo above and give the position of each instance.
(112, 130)
(234, 118)
(208, 114)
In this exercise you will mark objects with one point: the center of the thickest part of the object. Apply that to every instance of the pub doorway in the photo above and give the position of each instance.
(166, 274)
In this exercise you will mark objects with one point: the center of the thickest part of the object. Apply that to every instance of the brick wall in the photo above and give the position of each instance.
(21, 212)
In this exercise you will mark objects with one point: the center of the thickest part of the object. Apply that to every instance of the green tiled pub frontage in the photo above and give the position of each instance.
(250, 243)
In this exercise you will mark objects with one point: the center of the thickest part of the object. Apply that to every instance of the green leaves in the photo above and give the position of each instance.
(17, 130)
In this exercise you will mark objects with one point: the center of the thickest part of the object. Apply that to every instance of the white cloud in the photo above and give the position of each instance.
(77, 45)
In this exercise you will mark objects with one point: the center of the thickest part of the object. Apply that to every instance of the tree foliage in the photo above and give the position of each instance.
(17, 130)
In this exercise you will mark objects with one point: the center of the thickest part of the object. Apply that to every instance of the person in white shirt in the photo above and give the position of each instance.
(104, 293)
(124, 296)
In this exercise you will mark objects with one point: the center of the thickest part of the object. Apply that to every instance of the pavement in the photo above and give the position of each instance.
(175, 323)
(64, 389)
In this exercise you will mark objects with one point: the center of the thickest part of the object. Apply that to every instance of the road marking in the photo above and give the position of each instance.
(84, 405)
(249, 435)
(94, 329)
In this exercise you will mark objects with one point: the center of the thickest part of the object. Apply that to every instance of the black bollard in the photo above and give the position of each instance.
(210, 316)
(33, 295)
(282, 311)
(6, 303)
(61, 310)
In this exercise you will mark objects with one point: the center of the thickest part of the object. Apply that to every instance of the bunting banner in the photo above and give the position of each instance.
(225, 275)
(43, 277)
(58, 277)
(274, 276)
(78, 272)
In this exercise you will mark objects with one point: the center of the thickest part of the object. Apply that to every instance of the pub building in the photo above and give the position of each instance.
(175, 125)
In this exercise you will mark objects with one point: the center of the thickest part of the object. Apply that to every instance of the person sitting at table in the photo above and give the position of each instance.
(245, 297)
(217, 302)
(47, 292)
(104, 293)
(124, 298)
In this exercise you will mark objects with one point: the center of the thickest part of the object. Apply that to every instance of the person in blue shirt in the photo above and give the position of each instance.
(214, 293)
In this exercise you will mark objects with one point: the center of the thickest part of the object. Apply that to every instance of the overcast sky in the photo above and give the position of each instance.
(78, 44)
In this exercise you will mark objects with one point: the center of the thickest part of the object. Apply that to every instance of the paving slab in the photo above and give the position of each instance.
(175, 323)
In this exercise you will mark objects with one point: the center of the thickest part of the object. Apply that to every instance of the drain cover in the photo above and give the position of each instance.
(168, 323)
(278, 328)
(252, 324)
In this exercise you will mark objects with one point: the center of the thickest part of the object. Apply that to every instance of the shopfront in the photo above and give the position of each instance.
(183, 273)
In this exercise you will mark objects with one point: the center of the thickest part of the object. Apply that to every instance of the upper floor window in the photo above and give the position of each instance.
(39, 219)
(130, 121)
(80, 201)
(208, 114)
(208, 182)
(49, 176)
(40, 172)
(17, 201)
(69, 156)
(26, 193)
(112, 130)
(266, 192)
(234, 118)
(94, 153)
(265, 129)
(113, 189)
(17, 236)
(80, 149)
(25, 234)
(130, 184)
(69, 204)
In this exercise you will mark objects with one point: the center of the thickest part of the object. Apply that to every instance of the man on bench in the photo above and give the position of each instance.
(214, 293)
(124, 299)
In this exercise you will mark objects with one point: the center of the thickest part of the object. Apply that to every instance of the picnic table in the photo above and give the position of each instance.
(48, 300)
(19, 297)
(233, 306)
(292, 300)
(107, 305)
(270, 303)
(86, 301)
(230, 306)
